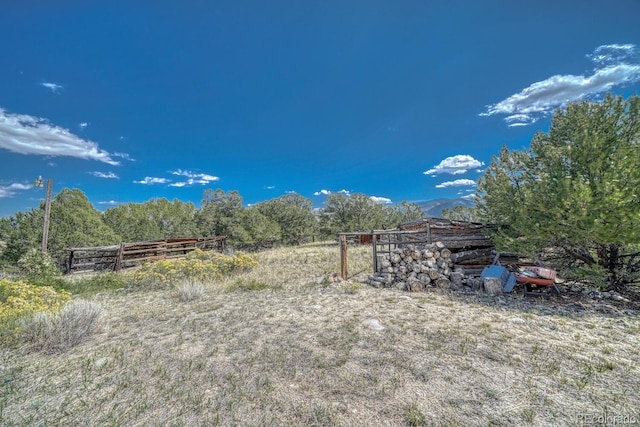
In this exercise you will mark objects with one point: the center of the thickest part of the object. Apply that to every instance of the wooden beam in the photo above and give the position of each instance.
(343, 256)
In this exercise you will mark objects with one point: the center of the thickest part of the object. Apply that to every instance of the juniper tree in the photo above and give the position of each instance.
(576, 188)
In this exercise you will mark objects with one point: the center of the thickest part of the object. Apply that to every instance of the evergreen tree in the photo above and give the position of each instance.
(576, 188)
(294, 215)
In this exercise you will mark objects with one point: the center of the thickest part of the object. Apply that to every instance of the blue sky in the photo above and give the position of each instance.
(400, 100)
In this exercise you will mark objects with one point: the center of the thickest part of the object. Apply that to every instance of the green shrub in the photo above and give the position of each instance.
(35, 263)
(37, 268)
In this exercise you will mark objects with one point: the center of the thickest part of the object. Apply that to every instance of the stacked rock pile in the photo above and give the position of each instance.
(415, 267)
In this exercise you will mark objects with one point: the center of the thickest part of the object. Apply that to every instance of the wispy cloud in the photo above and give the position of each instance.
(107, 175)
(83, 125)
(382, 200)
(193, 178)
(270, 187)
(109, 203)
(322, 193)
(457, 183)
(24, 134)
(124, 156)
(10, 190)
(616, 65)
(148, 180)
(54, 87)
(613, 54)
(455, 165)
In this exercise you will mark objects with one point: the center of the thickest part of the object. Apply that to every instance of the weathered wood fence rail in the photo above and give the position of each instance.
(124, 255)
(469, 242)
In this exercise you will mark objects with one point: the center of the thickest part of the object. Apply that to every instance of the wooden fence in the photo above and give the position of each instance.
(469, 242)
(126, 255)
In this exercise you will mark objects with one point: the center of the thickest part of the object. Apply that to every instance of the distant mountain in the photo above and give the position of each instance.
(433, 208)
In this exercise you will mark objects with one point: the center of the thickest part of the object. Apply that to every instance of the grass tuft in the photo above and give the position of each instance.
(53, 332)
(414, 416)
(190, 290)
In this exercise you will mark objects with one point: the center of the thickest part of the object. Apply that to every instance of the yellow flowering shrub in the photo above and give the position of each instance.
(198, 265)
(240, 261)
(19, 299)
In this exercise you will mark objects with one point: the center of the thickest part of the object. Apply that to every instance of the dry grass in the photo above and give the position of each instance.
(280, 345)
(190, 290)
(55, 332)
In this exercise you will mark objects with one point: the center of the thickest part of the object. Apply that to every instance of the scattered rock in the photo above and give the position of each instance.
(619, 298)
(101, 362)
(474, 283)
(595, 294)
(373, 324)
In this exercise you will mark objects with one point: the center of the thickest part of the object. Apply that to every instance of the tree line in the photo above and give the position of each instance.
(287, 220)
(572, 196)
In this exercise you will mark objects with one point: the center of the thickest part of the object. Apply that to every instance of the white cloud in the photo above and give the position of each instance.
(109, 203)
(457, 183)
(471, 196)
(616, 65)
(193, 178)
(322, 193)
(611, 54)
(383, 200)
(270, 187)
(83, 125)
(54, 87)
(124, 156)
(291, 192)
(24, 134)
(345, 192)
(108, 175)
(10, 190)
(152, 180)
(455, 165)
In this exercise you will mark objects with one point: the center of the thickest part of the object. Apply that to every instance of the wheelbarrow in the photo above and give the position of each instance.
(537, 281)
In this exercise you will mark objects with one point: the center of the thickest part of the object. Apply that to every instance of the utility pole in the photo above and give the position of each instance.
(47, 212)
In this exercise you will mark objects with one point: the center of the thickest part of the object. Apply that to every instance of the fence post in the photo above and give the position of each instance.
(343, 256)
(119, 257)
(374, 242)
(70, 262)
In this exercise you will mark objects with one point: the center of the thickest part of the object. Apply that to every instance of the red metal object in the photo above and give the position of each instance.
(537, 278)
